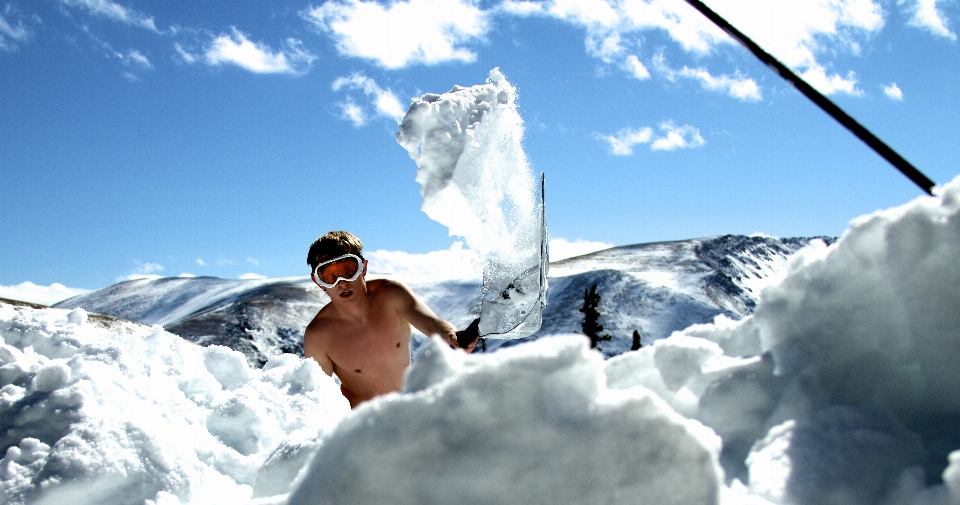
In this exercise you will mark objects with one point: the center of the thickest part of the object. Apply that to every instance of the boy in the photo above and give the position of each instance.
(363, 334)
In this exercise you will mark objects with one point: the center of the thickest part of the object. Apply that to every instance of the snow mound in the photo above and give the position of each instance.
(531, 424)
(841, 387)
(94, 412)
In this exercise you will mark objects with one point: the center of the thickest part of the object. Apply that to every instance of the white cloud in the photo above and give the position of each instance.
(352, 112)
(401, 33)
(144, 271)
(253, 261)
(681, 22)
(237, 49)
(44, 295)
(893, 91)
(186, 275)
(927, 16)
(677, 137)
(817, 77)
(562, 248)
(137, 58)
(794, 32)
(521, 8)
(115, 12)
(590, 13)
(455, 262)
(742, 88)
(185, 55)
(252, 276)
(635, 67)
(11, 37)
(384, 101)
(672, 137)
(622, 143)
(201, 262)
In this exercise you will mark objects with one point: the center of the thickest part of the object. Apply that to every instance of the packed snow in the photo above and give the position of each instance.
(839, 389)
(102, 411)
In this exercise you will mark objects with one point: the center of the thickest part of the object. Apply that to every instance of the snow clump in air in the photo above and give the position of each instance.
(473, 174)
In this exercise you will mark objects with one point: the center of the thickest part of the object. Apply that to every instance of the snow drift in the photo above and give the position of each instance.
(839, 389)
(107, 412)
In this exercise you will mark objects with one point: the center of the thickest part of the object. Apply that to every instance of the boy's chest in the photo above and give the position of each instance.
(383, 342)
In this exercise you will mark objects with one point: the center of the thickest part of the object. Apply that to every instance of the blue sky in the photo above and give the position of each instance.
(221, 138)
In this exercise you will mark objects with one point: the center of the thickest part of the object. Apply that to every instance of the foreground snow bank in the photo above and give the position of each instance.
(112, 412)
(531, 424)
(839, 390)
(842, 386)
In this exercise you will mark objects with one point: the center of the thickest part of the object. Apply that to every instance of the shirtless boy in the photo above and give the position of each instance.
(363, 334)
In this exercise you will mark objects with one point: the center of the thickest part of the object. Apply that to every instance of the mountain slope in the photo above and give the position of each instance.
(655, 289)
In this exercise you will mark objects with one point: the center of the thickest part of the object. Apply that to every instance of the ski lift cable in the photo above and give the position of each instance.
(822, 101)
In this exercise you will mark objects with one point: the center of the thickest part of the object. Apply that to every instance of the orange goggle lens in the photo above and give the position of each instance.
(347, 268)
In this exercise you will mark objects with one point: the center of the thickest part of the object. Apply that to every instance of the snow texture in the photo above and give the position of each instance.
(533, 424)
(97, 411)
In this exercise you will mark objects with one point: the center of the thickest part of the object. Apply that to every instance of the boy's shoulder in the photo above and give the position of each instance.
(386, 286)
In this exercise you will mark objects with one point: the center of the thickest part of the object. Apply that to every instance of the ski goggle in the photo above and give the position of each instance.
(342, 268)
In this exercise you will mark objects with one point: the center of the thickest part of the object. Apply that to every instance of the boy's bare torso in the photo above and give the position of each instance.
(367, 344)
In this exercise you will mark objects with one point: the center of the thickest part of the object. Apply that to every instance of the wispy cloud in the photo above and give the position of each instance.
(455, 262)
(115, 12)
(670, 137)
(893, 92)
(562, 248)
(384, 102)
(459, 262)
(236, 49)
(401, 33)
(795, 32)
(817, 77)
(738, 86)
(144, 271)
(622, 143)
(927, 16)
(44, 295)
(352, 112)
(636, 68)
(677, 137)
(13, 33)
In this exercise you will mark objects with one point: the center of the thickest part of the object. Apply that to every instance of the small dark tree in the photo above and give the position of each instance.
(636, 341)
(591, 317)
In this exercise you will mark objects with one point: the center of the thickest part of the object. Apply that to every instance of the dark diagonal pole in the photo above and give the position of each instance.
(823, 102)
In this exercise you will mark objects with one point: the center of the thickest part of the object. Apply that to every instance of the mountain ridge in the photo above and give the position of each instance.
(654, 288)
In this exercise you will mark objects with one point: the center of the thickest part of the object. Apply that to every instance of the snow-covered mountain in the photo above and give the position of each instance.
(655, 289)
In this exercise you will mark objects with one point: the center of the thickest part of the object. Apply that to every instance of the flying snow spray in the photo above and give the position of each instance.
(475, 180)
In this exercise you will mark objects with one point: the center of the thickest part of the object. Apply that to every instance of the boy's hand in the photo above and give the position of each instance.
(467, 338)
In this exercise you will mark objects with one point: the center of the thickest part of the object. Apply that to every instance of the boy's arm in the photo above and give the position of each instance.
(423, 318)
(312, 349)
